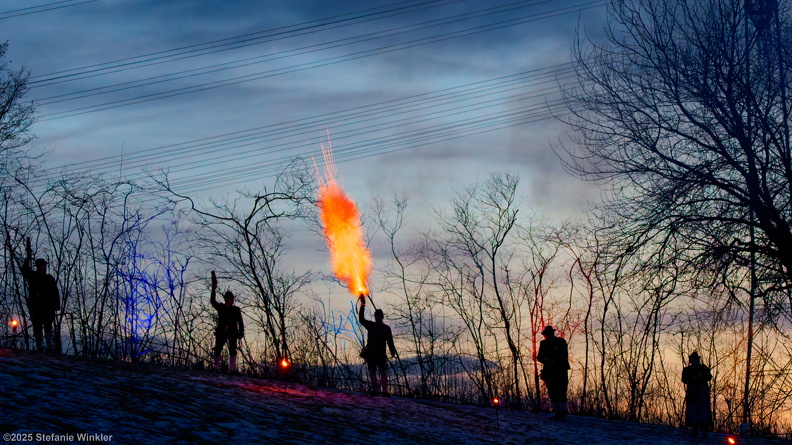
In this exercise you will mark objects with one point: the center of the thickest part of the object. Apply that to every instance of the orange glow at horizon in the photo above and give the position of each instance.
(350, 259)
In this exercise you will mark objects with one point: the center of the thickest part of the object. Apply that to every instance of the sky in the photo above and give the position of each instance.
(417, 97)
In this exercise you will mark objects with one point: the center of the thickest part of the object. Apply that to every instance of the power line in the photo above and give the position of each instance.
(286, 135)
(287, 131)
(389, 125)
(368, 111)
(374, 146)
(11, 13)
(276, 34)
(377, 144)
(333, 44)
(530, 113)
(344, 154)
(309, 65)
(349, 117)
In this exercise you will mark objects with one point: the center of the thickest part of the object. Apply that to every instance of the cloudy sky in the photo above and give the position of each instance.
(417, 96)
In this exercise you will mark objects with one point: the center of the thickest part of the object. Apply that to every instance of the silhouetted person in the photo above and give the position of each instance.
(230, 327)
(697, 403)
(379, 334)
(43, 300)
(554, 356)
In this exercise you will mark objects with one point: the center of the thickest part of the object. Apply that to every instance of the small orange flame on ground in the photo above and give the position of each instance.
(349, 256)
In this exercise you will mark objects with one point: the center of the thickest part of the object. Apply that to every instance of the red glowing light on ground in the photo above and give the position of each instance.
(349, 256)
(731, 440)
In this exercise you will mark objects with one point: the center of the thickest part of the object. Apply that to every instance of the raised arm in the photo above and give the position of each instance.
(362, 310)
(213, 300)
(27, 265)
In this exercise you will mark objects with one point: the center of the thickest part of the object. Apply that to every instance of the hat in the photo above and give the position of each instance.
(548, 330)
(228, 294)
(41, 262)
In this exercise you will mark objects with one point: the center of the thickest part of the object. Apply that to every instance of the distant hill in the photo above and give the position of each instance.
(60, 399)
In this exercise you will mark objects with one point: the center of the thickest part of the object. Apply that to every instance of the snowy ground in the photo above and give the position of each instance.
(140, 404)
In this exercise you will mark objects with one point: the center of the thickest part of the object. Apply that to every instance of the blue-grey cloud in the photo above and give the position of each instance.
(412, 100)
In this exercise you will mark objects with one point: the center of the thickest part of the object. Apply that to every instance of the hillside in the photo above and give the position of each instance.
(144, 404)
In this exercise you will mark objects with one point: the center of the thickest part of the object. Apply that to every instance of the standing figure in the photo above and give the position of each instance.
(230, 327)
(554, 356)
(697, 398)
(43, 300)
(379, 334)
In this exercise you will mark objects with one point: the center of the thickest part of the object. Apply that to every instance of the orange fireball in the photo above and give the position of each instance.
(349, 256)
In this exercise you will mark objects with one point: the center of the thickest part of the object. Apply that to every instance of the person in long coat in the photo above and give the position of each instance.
(554, 357)
(696, 377)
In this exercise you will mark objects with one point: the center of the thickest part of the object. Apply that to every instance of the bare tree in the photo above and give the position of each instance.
(16, 117)
(685, 113)
(537, 282)
(408, 278)
(470, 256)
(584, 257)
(247, 239)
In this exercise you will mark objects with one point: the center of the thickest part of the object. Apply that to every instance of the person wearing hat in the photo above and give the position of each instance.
(554, 357)
(230, 327)
(379, 335)
(43, 300)
(697, 398)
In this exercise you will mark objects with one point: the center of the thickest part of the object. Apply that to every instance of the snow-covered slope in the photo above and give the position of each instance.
(65, 397)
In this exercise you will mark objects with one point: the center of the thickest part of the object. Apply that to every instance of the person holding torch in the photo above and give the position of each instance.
(230, 327)
(379, 335)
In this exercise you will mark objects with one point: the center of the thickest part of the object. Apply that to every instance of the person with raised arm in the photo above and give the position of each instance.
(379, 335)
(230, 327)
(43, 300)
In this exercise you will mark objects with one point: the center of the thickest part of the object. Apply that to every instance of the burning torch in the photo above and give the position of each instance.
(14, 325)
(362, 300)
(496, 402)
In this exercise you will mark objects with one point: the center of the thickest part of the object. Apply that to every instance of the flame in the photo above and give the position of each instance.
(14, 323)
(350, 259)
(284, 363)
